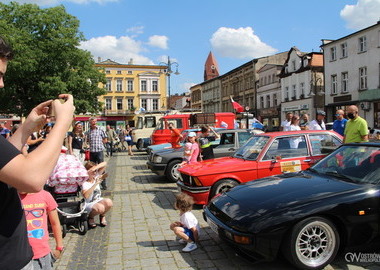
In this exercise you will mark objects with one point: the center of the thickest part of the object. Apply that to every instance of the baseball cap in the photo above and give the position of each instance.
(192, 134)
(321, 113)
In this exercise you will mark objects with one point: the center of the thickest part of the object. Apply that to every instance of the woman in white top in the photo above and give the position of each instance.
(294, 123)
(95, 204)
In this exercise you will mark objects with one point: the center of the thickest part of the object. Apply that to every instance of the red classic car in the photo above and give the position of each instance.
(263, 155)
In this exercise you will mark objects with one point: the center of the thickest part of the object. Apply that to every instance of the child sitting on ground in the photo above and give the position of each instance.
(188, 227)
(38, 207)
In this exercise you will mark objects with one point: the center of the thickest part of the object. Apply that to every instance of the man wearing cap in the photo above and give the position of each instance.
(340, 122)
(356, 128)
(318, 124)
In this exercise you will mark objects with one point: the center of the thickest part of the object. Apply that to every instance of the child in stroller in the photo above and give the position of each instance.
(64, 184)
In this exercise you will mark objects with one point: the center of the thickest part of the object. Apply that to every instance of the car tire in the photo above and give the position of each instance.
(312, 244)
(172, 173)
(222, 186)
(140, 144)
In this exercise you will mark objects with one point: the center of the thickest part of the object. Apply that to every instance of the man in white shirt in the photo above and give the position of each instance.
(285, 125)
(318, 124)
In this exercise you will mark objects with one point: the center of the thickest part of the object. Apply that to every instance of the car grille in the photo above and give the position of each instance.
(186, 179)
(218, 214)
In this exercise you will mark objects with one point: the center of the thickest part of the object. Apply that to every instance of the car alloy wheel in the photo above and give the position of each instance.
(222, 186)
(172, 172)
(313, 243)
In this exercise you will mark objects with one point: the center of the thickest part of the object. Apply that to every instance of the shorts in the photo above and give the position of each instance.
(189, 233)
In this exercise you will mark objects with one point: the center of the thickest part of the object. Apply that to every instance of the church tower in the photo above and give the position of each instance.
(211, 68)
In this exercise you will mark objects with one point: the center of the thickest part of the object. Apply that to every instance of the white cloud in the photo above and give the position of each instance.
(117, 49)
(158, 41)
(239, 43)
(361, 15)
(186, 86)
(136, 29)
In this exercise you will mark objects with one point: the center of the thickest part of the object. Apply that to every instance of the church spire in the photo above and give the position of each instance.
(211, 68)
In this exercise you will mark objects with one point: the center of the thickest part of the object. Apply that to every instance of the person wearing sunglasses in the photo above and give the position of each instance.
(340, 122)
(37, 227)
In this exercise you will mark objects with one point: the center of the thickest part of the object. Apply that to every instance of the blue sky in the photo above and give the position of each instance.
(235, 31)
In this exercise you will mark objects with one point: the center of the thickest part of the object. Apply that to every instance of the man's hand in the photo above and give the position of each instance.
(37, 117)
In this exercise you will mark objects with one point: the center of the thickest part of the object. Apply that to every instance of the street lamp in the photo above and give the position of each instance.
(168, 71)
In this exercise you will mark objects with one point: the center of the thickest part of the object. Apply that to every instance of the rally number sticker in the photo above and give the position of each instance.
(291, 166)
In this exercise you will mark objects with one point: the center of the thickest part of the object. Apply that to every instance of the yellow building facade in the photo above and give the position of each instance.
(132, 89)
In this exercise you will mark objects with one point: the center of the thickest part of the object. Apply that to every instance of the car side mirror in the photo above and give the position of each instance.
(276, 159)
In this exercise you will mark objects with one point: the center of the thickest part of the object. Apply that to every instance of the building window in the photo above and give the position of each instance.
(333, 54)
(143, 86)
(129, 71)
(108, 104)
(362, 78)
(294, 91)
(363, 44)
(119, 85)
(119, 104)
(294, 65)
(343, 48)
(108, 71)
(334, 84)
(287, 93)
(130, 103)
(155, 86)
(118, 72)
(144, 103)
(302, 89)
(344, 82)
(155, 104)
(274, 100)
(108, 85)
(130, 85)
(261, 102)
(268, 101)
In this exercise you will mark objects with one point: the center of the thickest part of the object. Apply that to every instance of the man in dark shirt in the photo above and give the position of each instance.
(26, 174)
(205, 142)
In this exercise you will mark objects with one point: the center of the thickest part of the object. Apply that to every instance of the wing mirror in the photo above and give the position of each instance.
(276, 159)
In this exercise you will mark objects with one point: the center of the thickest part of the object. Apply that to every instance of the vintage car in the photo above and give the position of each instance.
(263, 155)
(307, 215)
(162, 146)
(166, 162)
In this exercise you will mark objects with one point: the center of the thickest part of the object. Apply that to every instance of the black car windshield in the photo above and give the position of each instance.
(252, 148)
(359, 164)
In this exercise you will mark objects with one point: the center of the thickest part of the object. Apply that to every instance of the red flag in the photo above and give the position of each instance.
(237, 106)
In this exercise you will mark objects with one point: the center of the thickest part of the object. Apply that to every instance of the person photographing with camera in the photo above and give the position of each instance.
(176, 136)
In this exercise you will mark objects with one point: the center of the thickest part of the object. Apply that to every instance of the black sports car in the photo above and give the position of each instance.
(307, 215)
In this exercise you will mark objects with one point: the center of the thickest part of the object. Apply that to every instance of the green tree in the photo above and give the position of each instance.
(47, 60)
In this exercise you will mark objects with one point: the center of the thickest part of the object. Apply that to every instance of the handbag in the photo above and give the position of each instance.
(86, 154)
(128, 138)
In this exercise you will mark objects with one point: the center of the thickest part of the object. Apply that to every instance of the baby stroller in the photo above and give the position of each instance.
(64, 184)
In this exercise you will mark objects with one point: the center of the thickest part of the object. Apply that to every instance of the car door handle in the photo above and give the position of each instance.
(307, 160)
(231, 149)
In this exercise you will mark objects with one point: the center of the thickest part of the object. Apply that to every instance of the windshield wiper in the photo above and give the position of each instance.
(239, 155)
(336, 174)
(312, 170)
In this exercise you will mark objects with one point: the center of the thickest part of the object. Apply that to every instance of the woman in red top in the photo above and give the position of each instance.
(176, 136)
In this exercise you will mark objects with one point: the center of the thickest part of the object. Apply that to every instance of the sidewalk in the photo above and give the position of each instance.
(138, 234)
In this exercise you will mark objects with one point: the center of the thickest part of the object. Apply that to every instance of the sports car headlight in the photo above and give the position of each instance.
(157, 159)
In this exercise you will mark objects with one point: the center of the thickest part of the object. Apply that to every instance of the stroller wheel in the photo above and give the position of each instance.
(82, 226)
(64, 230)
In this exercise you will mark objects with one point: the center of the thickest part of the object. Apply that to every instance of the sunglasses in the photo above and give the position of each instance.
(35, 223)
(38, 212)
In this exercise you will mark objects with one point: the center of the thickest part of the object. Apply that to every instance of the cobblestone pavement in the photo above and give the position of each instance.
(138, 234)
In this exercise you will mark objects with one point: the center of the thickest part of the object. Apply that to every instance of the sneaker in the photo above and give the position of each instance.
(190, 247)
(181, 241)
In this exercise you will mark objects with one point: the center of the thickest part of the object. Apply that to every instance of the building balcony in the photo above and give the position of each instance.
(118, 112)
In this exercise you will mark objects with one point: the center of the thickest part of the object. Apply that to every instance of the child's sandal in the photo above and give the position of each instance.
(91, 223)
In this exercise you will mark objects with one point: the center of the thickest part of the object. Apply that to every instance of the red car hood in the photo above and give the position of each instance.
(216, 166)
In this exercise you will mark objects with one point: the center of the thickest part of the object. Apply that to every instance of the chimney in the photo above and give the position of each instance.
(99, 59)
(130, 61)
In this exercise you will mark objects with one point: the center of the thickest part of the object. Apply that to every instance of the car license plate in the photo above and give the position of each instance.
(212, 225)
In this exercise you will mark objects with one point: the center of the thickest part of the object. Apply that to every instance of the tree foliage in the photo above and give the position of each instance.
(47, 60)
